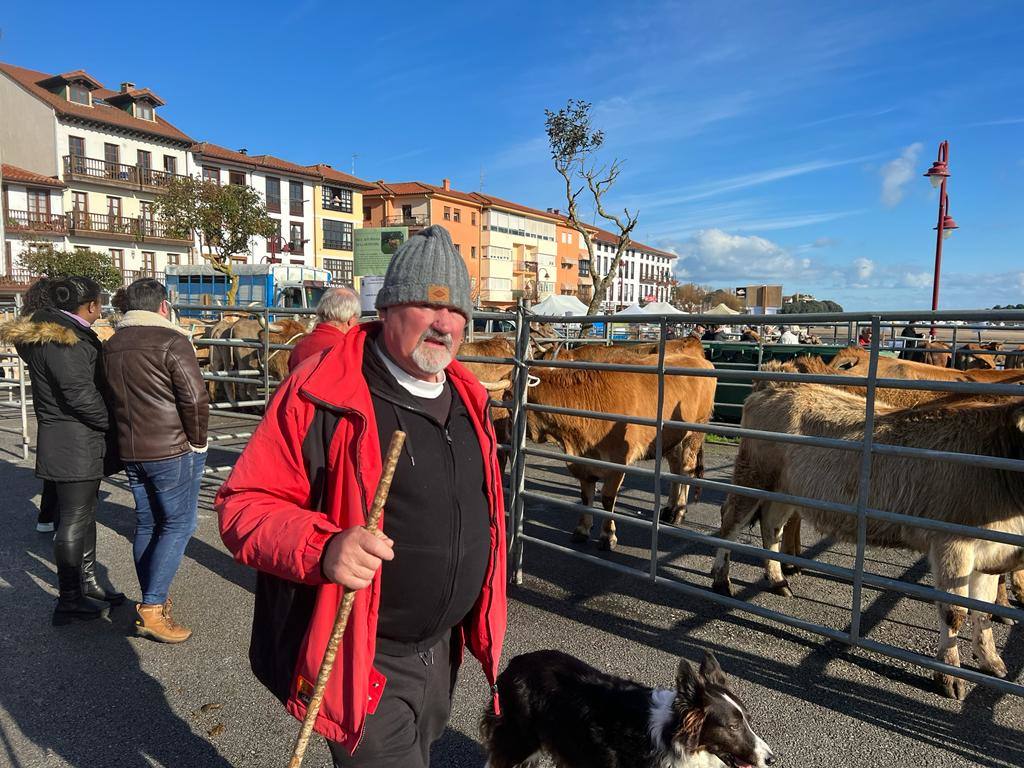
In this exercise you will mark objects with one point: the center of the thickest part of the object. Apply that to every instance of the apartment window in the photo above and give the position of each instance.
(337, 235)
(117, 256)
(114, 208)
(472, 251)
(236, 178)
(174, 258)
(584, 268)
(458, 248)
(149, 261)
(367, 213)
(145, 159)
(295, 237)
(170, 164)
(295, 197)
(472, 218)
(38, 204)
(76, 146)
(78, 93)
(447, 213)
(211, 174)
(341, 271)
(79, 204)
(457, 215)
(273, 194)
(337, 199)
(406, 212)
(144, 110)
(111, 156)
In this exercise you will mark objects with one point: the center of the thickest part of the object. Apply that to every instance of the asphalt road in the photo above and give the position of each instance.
(94, 695)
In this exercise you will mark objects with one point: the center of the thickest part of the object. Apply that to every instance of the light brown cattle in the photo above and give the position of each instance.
(854, 361)
(686, 398)
(966, 361)
(1016, 360)
(286, 331)
(970, 495)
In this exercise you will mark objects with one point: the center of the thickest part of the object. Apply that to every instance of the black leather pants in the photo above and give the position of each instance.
(76, 530)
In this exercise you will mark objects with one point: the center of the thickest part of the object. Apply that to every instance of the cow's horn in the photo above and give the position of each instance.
(496, 386)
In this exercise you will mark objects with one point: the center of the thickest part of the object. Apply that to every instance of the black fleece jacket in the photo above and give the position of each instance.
(436, 514)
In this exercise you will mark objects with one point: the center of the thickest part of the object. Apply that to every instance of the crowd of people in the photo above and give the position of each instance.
(429, 583)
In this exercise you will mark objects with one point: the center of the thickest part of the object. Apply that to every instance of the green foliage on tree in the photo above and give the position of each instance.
(224, 219)
(573, 145)
(722, 296)
(1009, 306)
(44, 259)
(804, 307)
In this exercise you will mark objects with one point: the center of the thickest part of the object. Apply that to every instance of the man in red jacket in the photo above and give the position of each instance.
(337, 313)
(442, 538)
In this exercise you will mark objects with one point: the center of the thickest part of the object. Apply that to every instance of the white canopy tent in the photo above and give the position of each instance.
(560, 306)
(721, 309)
(632, 309)
(661, 308)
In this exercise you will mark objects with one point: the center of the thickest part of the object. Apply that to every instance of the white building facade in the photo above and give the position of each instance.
(644, 275)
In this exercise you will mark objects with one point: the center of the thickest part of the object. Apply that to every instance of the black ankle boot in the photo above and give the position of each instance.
(90, 587)
(72, 604)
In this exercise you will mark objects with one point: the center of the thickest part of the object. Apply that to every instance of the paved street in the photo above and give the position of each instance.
(94, 695)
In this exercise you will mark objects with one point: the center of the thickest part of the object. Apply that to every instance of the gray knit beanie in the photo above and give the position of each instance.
(426, 269)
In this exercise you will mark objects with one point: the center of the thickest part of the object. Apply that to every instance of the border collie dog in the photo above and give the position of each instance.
(582, 718)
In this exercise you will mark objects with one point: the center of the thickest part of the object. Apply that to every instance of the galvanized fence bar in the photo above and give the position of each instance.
(864, 481)
(658, 448)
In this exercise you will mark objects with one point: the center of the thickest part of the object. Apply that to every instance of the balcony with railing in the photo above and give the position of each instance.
(122, 228)
(33, 223)
(92, 169)
(525, 267)
(411, 221)
(17, 279)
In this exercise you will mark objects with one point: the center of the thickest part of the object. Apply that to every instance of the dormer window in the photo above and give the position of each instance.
(144, 110)
(79, 94)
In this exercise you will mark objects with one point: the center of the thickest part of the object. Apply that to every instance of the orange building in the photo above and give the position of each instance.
(416, 205)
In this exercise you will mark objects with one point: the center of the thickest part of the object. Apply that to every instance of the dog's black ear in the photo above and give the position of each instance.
(711, 670)
(688, 682)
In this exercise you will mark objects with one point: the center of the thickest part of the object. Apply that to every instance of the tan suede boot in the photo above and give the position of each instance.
(155, 622)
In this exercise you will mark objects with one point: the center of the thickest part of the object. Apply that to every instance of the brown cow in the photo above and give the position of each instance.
(629, 394)
(910, 486)
(1015, 360)
(854, 362)
(966, 361)
(285, 331)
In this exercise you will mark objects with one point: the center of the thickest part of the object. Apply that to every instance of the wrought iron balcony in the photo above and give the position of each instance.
(122, 228)
(81, 168)
(417, 220)
(35, 223)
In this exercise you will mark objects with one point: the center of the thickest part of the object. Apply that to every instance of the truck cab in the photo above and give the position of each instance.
(276, 285)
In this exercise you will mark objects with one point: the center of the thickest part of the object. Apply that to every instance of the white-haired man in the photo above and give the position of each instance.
(337, 313)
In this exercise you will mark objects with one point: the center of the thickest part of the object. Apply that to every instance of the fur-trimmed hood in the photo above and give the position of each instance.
(141, 318)
(27, 331)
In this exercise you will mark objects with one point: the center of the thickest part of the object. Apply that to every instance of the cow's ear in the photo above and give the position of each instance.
(688, 682)
(711, 670)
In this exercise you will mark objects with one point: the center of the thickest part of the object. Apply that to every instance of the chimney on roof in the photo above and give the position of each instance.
(555, 211)
(326, 165)
(243, 151)
(446, 185)
(126, 86)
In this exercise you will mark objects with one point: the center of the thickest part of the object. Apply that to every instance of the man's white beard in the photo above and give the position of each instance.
(431, 359)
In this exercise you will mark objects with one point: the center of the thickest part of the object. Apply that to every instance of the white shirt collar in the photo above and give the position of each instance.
(417, 387)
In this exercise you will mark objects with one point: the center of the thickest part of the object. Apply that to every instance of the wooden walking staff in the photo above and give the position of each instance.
(341, 620)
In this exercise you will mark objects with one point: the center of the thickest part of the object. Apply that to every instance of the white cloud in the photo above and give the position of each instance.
(863, 268)
(897, 173)
(716, 255)
(917, 279)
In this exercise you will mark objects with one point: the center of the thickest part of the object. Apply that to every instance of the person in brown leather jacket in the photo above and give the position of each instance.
(161, 409)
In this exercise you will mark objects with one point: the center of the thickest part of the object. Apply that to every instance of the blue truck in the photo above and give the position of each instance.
(276, 285)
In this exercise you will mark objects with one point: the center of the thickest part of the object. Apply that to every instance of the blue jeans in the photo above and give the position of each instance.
(166, 498)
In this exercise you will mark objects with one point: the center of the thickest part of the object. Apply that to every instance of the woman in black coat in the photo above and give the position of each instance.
(65, 360)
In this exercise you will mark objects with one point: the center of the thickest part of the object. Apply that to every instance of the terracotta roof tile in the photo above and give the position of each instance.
(14, 173)
(216, 152)
(98, 113)
(399, 188)
(339, 176)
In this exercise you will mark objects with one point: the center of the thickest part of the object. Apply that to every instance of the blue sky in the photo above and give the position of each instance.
(763, 142)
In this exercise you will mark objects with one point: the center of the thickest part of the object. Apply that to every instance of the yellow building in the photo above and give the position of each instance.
(337, 212)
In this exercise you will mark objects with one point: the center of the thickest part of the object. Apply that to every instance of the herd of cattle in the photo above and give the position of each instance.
(964, 494)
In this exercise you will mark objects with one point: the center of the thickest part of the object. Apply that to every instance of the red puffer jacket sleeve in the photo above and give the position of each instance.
(262, 510)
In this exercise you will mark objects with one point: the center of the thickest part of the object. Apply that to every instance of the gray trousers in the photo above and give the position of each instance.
(411, 715)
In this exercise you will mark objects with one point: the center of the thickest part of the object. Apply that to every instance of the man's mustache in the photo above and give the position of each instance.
(444, 338)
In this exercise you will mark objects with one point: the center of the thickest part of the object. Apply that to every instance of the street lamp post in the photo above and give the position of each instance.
(938, 175)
